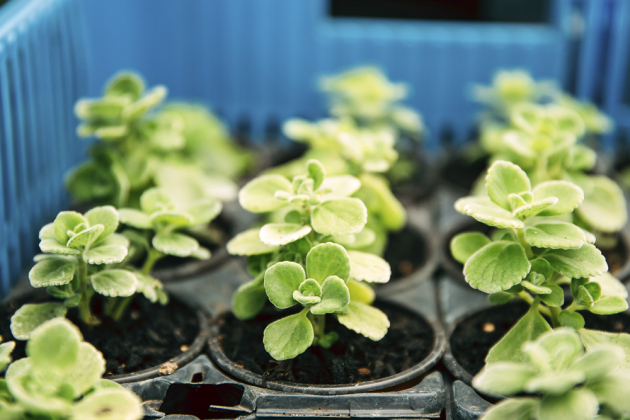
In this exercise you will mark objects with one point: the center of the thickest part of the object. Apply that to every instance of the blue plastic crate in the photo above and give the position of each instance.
(255, 61)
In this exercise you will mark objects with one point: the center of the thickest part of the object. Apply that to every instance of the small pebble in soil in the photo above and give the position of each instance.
(488, 327)
(405, 267)
(184, 347)
(364, 371)
(167, 368)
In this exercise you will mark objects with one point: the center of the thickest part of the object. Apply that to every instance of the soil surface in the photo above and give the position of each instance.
(616, 257)
(416, 185)
(147, 336)
(406, 252)
(353, 358)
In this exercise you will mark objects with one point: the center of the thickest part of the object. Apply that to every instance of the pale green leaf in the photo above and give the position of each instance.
(555, 235)
(539, 290)
(135, 218)
(52, 246)
(310, 287)
(328, 259)
(52, 272)
(604, 206)
(249, 299)
(339, 186)
(503, 378)
(139, 107)
(529, 210)
(462, 203)
(335, 296)
(496, 267)
(86, 237)
(32, 315)
(112, 249)
(54, 345)
(514, 409)
(277, 234)
(593, 339)
(555, 297)
(369, 267)
(67, 221)
(613, 391)
(571, 320)
(156, 199)
(609, 305)
(569, 196)
(86, 371)
(201, 253)
(249, 243)
(464, 245)
(106, 216)
(365, 320)
(490, 214)
(125, 83)
(586, 261)
(577, 404)
(378, 197)
(304, 299)
(176, 244)
(258, 195)
(316, 172)
(598, 363)
(203, 211)
(114, 283)
(109, 404)
(288, 337)
(361, 292)
(505, 178)
(610, 285)
(281, 280)
(555, 383)
(343, 216)
(171, 218)
(5, 356)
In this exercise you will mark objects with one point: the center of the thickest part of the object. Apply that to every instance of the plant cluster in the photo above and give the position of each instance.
(301, 261)
(61, 379)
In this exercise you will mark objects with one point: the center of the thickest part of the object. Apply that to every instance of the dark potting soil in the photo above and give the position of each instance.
(147, 336)
(616, 257)
(353, 358)
(461, 171)
(406, 252)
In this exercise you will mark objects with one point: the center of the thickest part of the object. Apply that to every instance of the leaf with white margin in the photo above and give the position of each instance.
(277, 234)
(593, 339)
(613, 391)
(173, 219)
(106, 216)
(288, 337)
(577, 404)
(569, 196)
(505, 178)
(86, 371)
(503, 378)
(514, 409)
(556, 235)
(5, 354)
(365, 320)
(340, 186)
(604, 206)
(176, 244)
(586, 261)
(328, 259)
(86, 237)
(203, 211)
(492, 215)
(609, 305)
(281, 280)
(461, 203)
(534, 208)
(464, 245)
(335, 296)
(54, 345)
(135, 218)
(496, 267)
(201, 253)
(52, 272)
(249, 243)
(343, 216)
(114, 283)
(112, 249)
(30, 316)
(258, 195)
(109, 404)
(64, 222)
(369, 267)
(610, 285)
(316, 172)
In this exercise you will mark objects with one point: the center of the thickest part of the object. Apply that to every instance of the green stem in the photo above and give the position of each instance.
(529, 299)
(555, 313)
(520, 234)
(84, 305)
(319, 324)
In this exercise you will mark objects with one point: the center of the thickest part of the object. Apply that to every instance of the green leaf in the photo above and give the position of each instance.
(112, 249)
(32, 315)
(156, 199)
(258, 195)
(106, 216)
(249, 243)
(135, 218)
(594, 289)
(368, 267)
(53, 247)
(505, 178)
(496, 267)
(150, 99)
(172, 219)
(201, 253)
(277, 234)
(539, 290)
(571, 320)
(612, 391)
(126, 83)
(361, 292)
(86, 237)
(598, 363)
(577, 404)
(509, 349)
(569, 195)
(249, 299)
(378, 197)
(52, 272)
(609, 305)
(586, 261)
(335, 296)
(555, 383)
(109, 404)
(86, 371)
(514, 409)
(288, 337)
(67, 221)
(529, 210)
(365, 320)
(114, 283)
(555, 235)
(310, 287)
(340, 186)
(54, 345)
(464, 245)
(610, 285)
(541, 266)
(281, 280)
(317, 172)
(593, 339)
(555, 298)
(343, 216)
(503, 378)
(204, 211)
(500, 298)
(489, 213)
(604, 206)
(328, 259)
(176, 244)
(5, 355)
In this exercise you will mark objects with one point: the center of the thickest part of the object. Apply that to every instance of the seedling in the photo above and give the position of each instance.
(61, 379)
(535, 250)
(565, 381)
(297, 261)
(510, 88)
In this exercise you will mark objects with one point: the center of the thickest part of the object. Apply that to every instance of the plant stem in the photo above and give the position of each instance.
(529, 299)
(520, 234)
(319, 324)
(84, 305)
(555, 313)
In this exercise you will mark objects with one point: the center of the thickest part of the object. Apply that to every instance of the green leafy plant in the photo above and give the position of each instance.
(566, 382)
(61, 379)
(297, 262)
(535, 250)
(509, 88)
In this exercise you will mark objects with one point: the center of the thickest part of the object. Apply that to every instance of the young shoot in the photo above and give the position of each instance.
(297, 262)
(61, 380)
(535, 250)
(565, 381)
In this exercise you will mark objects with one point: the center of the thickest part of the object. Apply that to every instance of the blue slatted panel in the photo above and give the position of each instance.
(42, 73)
